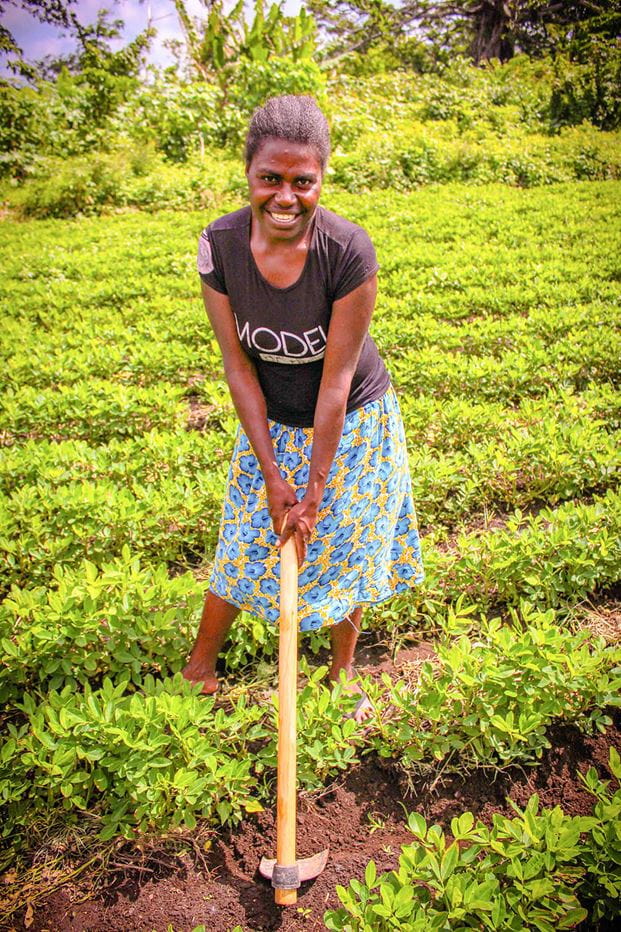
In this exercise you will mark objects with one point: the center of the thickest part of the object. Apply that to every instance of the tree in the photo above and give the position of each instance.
(355, 26)
(55, 12)
(91, 39)
(75, 111)
(485, 29)
(499, 28)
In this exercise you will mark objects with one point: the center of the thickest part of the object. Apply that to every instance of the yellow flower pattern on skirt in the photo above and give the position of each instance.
(365, 547)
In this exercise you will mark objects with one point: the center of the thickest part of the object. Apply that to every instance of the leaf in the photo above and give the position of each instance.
(417, 824)
(460, 826)
(403, 900)
(224, 810)
(449, 861)
(253, 805)
(370, 874)
(90, 571)
(572, 918)
(108, 831)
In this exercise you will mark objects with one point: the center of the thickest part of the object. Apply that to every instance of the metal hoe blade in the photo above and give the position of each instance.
(284, 878)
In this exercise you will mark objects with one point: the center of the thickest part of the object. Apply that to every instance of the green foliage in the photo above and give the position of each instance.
(139, 762)
(554, 558)
(159, 758)
(19, 132)
(82, 185)
(177, 117)
(180, 118)
(328, 738)
(99, 410)
(367, 38)
(602, 858)
(503, 457)
(253, 81)
(74, 113)
(224, 39)
(467, 124)
(533, 871)
(588, 88)
(492, 694)
(129, 177)
(513, 124)
(125, 620)
(440, 30)
(144, 460)
(48, 528)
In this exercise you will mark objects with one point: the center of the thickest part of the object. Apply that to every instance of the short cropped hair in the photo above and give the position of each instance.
(293, 117)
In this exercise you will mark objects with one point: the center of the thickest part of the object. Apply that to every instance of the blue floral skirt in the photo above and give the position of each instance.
(365, 547)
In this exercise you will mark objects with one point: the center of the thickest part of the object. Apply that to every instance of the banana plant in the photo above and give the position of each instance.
(222, 39)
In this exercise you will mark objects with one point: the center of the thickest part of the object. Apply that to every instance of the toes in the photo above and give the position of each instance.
(209, 683)
(363, 710)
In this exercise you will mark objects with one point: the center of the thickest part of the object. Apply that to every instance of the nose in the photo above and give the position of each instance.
(285, 196)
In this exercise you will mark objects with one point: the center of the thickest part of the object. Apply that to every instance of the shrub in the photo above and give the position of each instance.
(254, 81)
(65, 188)
(588, 89)
(128, 177)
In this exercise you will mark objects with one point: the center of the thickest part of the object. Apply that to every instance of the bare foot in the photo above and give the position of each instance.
(195, 675)
(364, 706)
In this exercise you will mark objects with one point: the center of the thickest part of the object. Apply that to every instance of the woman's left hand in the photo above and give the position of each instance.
(299, 523)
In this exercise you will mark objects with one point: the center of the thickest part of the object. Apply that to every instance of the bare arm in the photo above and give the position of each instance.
(249, 402)
(349, 325)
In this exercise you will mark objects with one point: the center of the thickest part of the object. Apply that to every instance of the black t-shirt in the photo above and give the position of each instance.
(284, 330)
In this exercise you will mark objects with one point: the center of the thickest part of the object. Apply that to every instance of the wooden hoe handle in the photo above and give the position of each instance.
(287, 725)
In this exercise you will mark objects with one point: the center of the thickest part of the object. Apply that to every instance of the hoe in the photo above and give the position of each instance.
(285, 871)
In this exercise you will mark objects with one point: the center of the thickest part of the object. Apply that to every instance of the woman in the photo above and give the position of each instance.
(289, 289)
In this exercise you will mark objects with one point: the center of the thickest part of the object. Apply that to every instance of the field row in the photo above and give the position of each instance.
(131, 618)
(540, 869)
(100, 409)
(167, 503)
(150, 350)
(484, 251)
(162, 756)
(434, 428)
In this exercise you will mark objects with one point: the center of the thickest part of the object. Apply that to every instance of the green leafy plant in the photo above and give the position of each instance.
(520, 872)
(490, 697)
(541, 868)
(140, 762)
(601, 884)
(123, 620)
(328, 740)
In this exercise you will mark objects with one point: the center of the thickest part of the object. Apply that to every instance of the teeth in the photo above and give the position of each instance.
(283, 218)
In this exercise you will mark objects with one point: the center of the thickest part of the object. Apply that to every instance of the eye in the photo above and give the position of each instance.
(270, 179)
(304, 182)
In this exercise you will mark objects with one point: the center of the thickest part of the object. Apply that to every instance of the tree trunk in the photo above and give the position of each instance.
(492, 38)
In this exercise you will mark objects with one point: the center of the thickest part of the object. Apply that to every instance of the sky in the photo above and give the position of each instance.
(38, 40)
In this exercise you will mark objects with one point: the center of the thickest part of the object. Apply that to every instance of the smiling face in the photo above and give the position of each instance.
(284, 182)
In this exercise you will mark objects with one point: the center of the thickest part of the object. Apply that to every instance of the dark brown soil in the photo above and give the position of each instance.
(360, 816)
